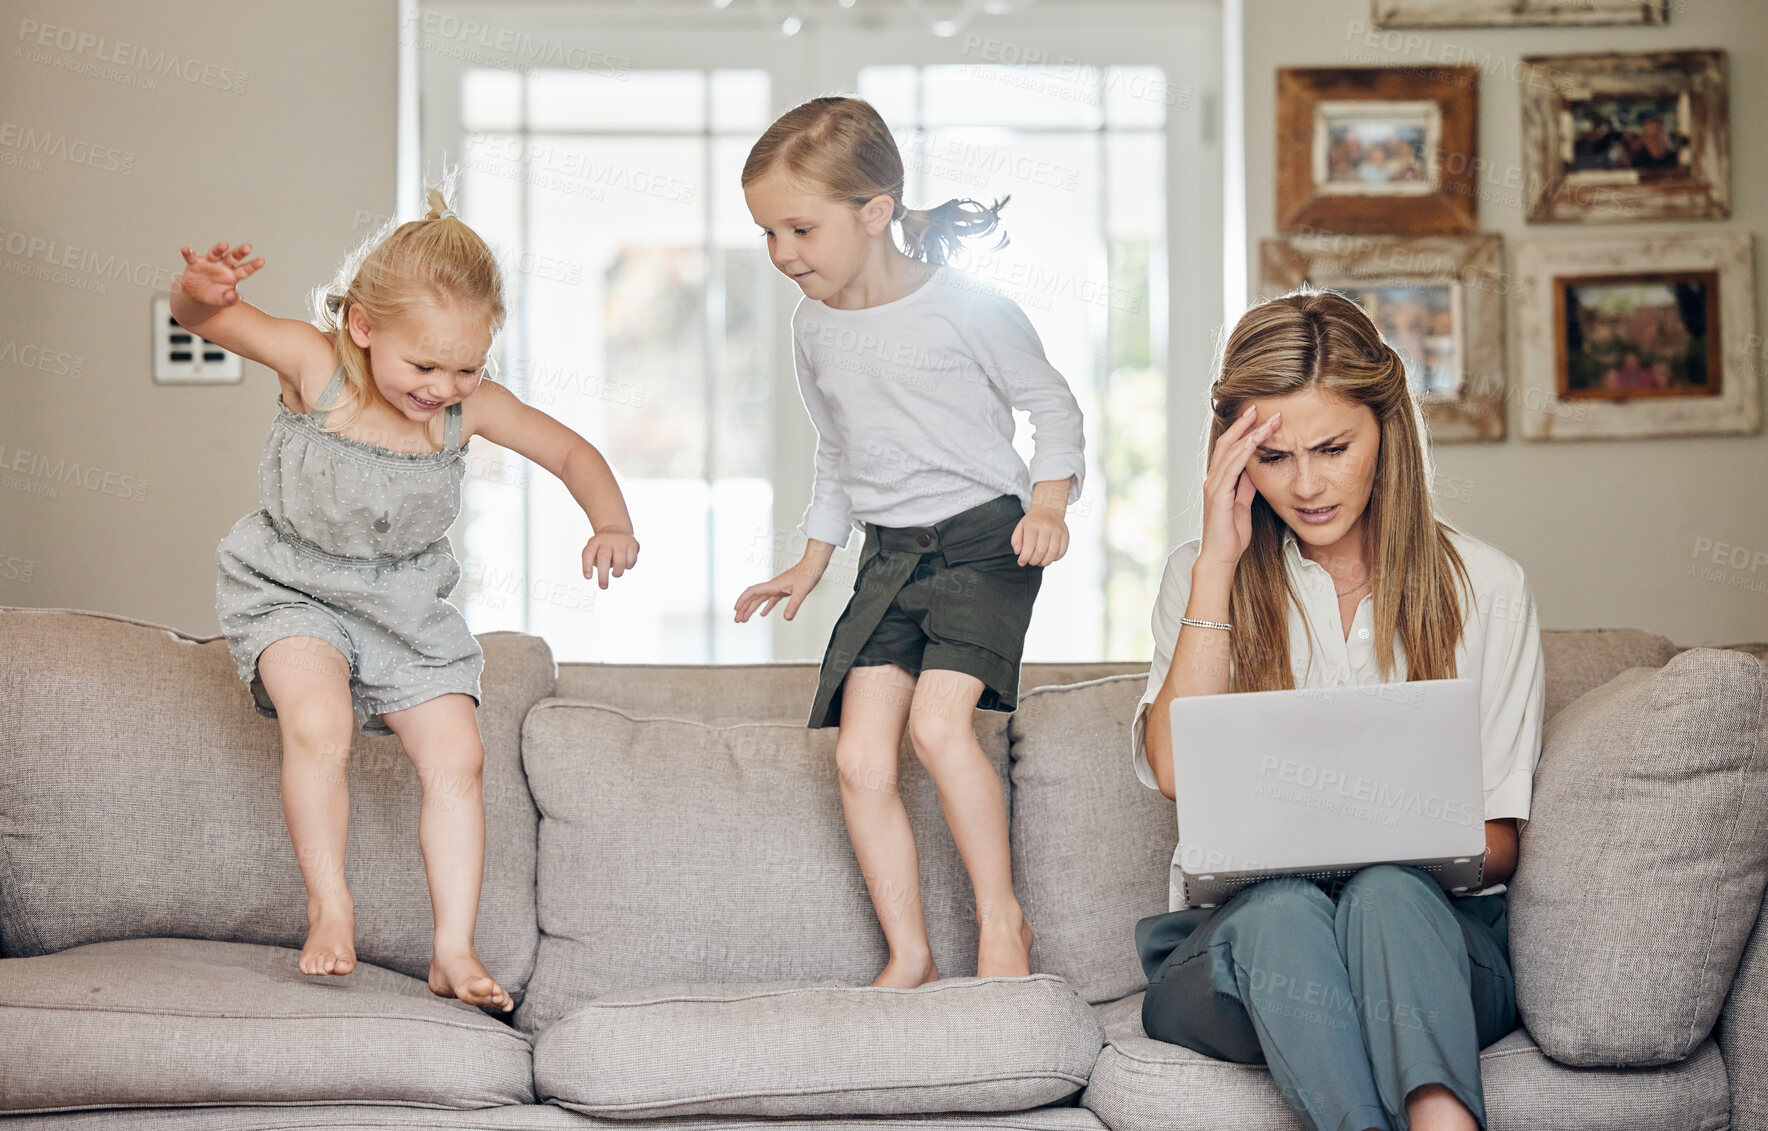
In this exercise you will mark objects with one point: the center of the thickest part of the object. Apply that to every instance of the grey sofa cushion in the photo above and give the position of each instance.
(1582, 659)
(990, 1044)
(1743, 1033)
(140, 797)
(1140, 1084)
(180, 1021)
(1091, 844)
(673, 851)
(1643, 864)
(526, 1117)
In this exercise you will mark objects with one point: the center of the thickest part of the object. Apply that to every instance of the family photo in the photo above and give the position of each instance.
(875, 565)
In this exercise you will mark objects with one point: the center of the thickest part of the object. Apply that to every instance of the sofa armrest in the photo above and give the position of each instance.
(1743, 1033)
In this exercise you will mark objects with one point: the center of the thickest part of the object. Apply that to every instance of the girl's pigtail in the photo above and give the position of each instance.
(438, 205)
(937, 234)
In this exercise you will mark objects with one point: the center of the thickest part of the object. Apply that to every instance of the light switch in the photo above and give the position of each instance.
(183, 358)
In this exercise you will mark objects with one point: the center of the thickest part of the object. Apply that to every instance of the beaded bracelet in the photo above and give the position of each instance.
(1207, 624)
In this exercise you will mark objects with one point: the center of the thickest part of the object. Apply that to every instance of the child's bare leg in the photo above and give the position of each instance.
(942, 728)
(441, 737)
(874, 707)
(308, 681)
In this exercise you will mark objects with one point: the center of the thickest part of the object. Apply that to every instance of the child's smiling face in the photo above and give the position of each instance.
(427, 358)
(818, 243)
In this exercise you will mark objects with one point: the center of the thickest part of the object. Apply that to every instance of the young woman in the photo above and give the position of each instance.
(1323, 563)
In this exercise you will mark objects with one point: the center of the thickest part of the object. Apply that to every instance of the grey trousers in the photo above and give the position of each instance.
(1353, 994)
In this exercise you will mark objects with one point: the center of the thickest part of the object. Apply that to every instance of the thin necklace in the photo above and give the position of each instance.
(1357, 586)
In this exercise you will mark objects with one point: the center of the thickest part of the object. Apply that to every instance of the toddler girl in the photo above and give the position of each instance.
(333, 595)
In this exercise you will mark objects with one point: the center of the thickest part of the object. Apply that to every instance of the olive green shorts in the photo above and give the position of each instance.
(950, 596)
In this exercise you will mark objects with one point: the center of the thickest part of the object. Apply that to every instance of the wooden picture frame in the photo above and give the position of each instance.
(1377, 149)
(1516, 13)
(1612, 138)
(1459, 382)
(1632, 339)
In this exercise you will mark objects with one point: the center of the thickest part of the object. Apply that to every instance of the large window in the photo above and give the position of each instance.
(637, 318)
(1082, 153)
(644, 312)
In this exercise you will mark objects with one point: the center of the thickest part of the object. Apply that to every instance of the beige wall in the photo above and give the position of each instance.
(1607, 530)
(287, 163)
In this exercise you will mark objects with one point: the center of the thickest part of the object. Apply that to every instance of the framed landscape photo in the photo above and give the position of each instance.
(1611, 138)
(1638, 338)
(1516, 13)
(1439, 302)
(1377, 149)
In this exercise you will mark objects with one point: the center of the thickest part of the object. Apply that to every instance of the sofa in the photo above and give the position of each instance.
(671, 898)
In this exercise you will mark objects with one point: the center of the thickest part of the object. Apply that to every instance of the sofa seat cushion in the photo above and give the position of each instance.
(962, 1044)
(721, 694)
(674, 851)
(1643, 866)
(1140, 1084)
(170, 1022)
(1091, 844)
(141, 797)
(524, 1117)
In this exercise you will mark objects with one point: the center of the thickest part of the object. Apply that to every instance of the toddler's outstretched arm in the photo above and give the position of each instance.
(205, 300)
(500, 416)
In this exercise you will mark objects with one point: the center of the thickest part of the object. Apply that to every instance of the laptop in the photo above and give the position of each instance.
(1322, 782)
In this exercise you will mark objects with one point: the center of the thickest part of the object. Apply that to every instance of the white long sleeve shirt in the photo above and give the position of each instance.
(1500, 648)
(913, 404)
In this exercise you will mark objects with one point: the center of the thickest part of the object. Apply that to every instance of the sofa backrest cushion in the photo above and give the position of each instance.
(140, 797)
(1581, 659)
(1643, 863)
(1091, 844)
(672, 851)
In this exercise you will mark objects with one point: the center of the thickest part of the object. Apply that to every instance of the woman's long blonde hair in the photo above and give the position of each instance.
(840, 148)
(437, 259)
(1318, 339)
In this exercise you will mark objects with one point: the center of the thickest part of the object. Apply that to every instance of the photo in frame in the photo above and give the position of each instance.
(1613, 138)
(1640, 338)
(1516, 13)
(1437, 300)
(1377, 149)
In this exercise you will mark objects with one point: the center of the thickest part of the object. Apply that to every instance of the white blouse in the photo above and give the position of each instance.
(1500, 648)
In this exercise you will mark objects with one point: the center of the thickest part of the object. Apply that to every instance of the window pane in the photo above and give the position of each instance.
(740, 101)
(1087, 264)
(625, 100)
(491, 100)
(987, 94)
(621, 270)
(891, 91)
(1137, 97)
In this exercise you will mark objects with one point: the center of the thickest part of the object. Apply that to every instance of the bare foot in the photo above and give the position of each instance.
(1003, 949)
(460, 974)
(905, 973)
(331, 939)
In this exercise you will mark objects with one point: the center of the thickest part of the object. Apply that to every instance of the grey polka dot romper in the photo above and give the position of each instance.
(351, 547)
